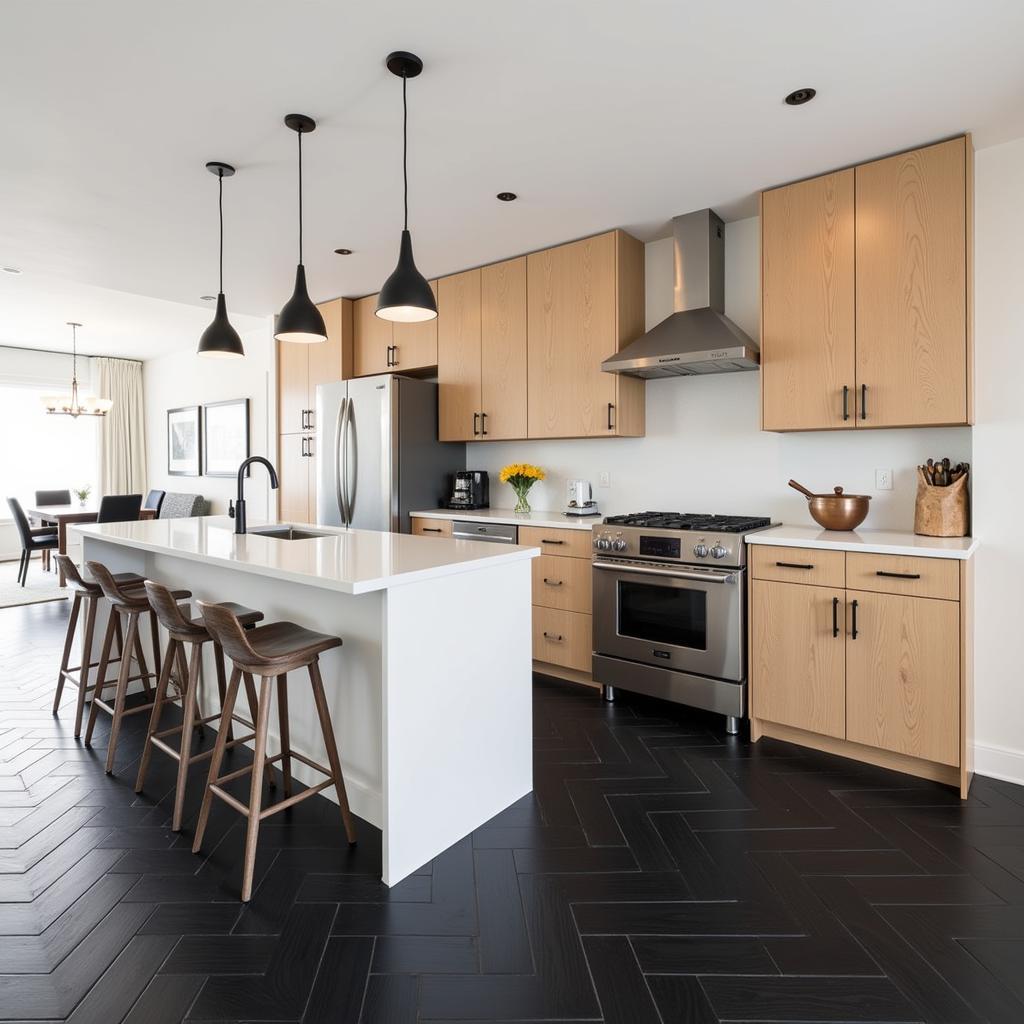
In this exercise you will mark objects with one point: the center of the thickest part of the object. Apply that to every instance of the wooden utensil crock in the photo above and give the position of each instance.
(942, 511)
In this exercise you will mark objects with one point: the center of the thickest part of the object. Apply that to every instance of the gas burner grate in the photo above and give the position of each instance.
(689, 521)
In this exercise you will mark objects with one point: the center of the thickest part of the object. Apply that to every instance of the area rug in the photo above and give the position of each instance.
(41, 586)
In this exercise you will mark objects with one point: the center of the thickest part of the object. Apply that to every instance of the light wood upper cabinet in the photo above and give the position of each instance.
(912, 287)
(415, 345)
(292, 387)
(300, 368)
(327, 360)
(503, 355)
(296, 501)
(459, 356)
(371, 339)
(807, 315)
(795, 658)
(866, 284)
(581, 307)
(903, 675)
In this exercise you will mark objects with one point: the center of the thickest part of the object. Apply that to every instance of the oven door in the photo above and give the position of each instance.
(670, 616)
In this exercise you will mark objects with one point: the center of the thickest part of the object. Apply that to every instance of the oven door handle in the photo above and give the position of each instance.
(677, 574)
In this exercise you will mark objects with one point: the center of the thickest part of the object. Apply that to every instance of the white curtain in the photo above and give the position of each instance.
(122, 439)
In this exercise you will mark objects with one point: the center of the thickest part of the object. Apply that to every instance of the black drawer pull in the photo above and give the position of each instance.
(611, 409)
(853, 623)
(863, 401)
(835, 617)
(432, 529)
(793, 565)
(554, 636)
(846, 402)
(476, 428)
(552, 541)
(552, 583)
(899, 575)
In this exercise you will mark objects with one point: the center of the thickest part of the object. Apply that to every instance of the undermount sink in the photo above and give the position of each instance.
(288, 533)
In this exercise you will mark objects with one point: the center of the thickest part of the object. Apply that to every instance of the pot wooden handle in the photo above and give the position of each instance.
(803, 490)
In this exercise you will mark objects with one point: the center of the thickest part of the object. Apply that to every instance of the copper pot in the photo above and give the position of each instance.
(836, 511)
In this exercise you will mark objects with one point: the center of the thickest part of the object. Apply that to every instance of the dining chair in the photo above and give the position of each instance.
(40, 538)
(154, 500)
(53, 497)
(119, 508)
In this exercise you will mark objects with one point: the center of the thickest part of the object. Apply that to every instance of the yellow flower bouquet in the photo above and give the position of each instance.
(522, 476)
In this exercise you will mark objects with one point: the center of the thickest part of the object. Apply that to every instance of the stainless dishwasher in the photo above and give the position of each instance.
(493, 533)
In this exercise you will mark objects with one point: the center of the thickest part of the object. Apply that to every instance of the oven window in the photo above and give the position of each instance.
(672, 616)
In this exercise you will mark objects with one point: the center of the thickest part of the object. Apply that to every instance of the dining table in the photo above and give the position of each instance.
(62, 515)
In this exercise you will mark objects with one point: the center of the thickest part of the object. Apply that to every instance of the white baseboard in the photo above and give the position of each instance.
(999, 763)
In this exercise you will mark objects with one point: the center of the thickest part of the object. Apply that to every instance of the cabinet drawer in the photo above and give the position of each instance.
(904, 574)
(551, 541)
(563, 583)
(562, 638)
(798, 565)
(431, 527)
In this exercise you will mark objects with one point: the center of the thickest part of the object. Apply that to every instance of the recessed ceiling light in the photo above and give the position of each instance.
(11, 270)
(506, 197)
(343, 252)
(208, 298)
(801, 96)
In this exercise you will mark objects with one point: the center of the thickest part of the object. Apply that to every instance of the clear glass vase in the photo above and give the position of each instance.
(523, 504)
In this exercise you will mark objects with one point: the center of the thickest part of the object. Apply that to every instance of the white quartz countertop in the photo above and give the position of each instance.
(507, 516)
(879, 542)
(349, 561)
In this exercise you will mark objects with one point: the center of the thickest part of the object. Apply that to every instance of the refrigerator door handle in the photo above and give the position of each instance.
(339, 462)
(350, 494)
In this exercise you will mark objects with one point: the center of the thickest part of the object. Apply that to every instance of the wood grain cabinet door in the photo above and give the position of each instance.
(912, 345)
(807, 326)
(797, 665)
(903, 675)
(292, 387)
(503, 402)
(571, 328)
(458, 356)
(294, 503)
(325, 359)
(415, 344)
(371, 338)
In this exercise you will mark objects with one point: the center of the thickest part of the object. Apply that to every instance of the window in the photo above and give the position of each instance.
(42, 452)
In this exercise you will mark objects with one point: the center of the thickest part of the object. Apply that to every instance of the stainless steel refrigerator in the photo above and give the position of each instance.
(379, 454)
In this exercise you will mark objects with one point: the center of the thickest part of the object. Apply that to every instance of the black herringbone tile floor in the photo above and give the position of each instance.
(660, 872)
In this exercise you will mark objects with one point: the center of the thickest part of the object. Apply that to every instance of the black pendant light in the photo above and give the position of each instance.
(299, 320)
(406, 296)
(220, 339)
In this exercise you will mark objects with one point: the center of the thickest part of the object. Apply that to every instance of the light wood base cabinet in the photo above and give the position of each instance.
(879, 670)
(430, 527)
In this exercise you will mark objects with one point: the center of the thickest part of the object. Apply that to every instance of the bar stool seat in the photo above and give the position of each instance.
(271, 652)
(86, 591)
(193, 632)
(128, 602)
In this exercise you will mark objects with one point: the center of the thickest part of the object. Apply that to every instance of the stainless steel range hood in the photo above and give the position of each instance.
(698, 337)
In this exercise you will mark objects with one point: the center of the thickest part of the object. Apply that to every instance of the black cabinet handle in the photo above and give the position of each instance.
(394, 355)
(552, 541)
(846, 402)
(853, 623)
(483, 424)
(611, 409)
(309, 419)
(899, 575)
(793, 565)
(863, 401)
(432, 529)
(476, 429)
(305, 441)
(552, 583)
(305, 426)
(309, 447)
(554, 636)
(835, 617)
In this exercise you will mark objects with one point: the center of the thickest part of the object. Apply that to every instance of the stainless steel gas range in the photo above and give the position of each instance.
(670, 608)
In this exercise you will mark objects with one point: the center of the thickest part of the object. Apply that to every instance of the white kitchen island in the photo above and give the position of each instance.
(430, 694)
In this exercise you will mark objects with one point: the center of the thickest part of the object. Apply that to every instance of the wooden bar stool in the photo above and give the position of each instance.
(184, 631)
(270, 652)
(91, 594)
(128, 603)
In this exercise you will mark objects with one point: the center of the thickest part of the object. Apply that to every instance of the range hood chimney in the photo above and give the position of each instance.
(698, 337)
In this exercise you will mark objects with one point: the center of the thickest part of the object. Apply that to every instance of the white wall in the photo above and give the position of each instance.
(704, 450)
(183, 378)
(998, 435)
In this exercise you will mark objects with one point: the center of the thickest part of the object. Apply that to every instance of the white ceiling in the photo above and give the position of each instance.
(599, 113)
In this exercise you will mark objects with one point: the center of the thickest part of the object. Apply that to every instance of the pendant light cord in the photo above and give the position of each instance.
(299, 133)
(74, 354)
(405, 153)
(220, 211)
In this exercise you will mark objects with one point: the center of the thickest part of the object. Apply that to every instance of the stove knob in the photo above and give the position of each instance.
(603, 544)
(700, 550)
(718, 551)
(619, 545)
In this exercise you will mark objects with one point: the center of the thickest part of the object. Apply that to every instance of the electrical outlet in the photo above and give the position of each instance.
(605, 479)
(883, 479)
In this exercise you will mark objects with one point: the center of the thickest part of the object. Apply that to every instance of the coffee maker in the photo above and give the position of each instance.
(470, 490)
(580, 500)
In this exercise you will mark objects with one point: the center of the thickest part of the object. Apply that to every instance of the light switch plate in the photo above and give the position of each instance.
(883, 479)
(604, 480)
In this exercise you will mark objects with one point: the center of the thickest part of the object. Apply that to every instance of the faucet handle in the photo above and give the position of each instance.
(231, 508)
